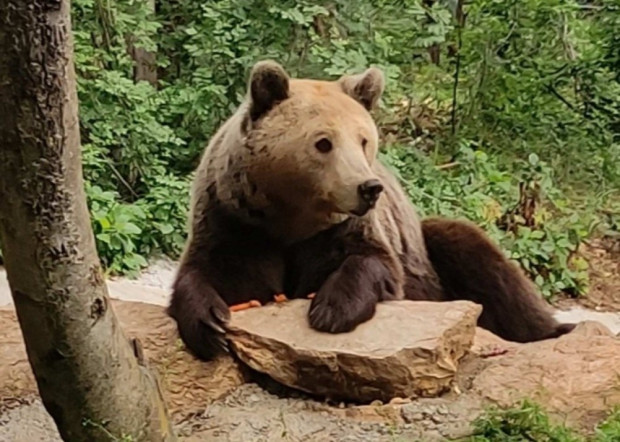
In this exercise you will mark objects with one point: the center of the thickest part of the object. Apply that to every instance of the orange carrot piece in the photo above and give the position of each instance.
(244, 306)
(280, 298)
(240, 307)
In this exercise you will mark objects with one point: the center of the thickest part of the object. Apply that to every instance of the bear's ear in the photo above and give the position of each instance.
(268, 85)
(366, 87)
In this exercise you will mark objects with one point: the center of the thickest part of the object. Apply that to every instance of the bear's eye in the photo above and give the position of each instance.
(364, 143)
(323, 145)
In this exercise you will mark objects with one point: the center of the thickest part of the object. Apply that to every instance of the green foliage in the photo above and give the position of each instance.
(609, 430)
(534, 77)
(479, 190)
(528, 422)
(116, 231)
(166, 215)
(137, 192)
(125, 233)
(536, 110)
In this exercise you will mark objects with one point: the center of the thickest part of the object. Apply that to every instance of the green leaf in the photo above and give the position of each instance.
(131, 229)
(166, 229)
(104, 237)
(105, 223)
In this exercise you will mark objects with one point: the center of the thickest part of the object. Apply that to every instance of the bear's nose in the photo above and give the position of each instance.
(370, 190)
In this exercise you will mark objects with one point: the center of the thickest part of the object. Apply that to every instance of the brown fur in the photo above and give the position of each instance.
(272, 214)
(471, 267)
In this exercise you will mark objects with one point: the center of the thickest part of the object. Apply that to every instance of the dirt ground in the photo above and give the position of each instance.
(603, 257)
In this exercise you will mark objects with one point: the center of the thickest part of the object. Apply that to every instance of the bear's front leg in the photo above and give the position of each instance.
(350, 294)
(200, 313)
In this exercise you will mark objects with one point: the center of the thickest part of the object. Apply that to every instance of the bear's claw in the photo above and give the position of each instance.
(329, 318)
(214, 325)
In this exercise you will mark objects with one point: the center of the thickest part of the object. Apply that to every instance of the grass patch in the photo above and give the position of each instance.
(529, 422)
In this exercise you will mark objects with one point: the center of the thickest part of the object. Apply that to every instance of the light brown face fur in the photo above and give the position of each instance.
(312, 143)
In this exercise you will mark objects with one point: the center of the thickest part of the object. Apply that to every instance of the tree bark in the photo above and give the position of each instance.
(88, 377)
(145, 62)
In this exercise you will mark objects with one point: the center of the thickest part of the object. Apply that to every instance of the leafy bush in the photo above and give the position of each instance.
(125, 233)
(536, 231)
(165, 223)
(116, 230)
(529, 422)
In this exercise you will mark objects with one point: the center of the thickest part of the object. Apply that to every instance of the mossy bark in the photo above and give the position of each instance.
(87, 373)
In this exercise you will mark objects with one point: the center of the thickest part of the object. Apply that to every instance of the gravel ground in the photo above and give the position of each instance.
(251, 414)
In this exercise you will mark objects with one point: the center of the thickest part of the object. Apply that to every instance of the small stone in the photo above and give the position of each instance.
(383, 430)
(428, 424)
(411, 417)
(437, 418)
(400, 401)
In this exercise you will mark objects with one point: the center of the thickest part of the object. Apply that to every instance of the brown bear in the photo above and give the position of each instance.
(290, 198)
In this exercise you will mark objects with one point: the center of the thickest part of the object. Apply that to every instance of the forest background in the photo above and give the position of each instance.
(503, 112)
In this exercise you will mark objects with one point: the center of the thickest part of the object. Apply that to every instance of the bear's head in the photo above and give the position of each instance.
(313, 143)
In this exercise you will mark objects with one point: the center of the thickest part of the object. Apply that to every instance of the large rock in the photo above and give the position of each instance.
(188, 384)
(409, 349)
(575, 376)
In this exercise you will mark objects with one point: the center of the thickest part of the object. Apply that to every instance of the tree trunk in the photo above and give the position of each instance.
(89, 379)
(145, 62)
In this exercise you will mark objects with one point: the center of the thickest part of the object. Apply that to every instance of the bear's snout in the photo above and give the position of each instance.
(370, 190)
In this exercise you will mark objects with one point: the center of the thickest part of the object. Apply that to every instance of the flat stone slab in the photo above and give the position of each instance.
(408, 349)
